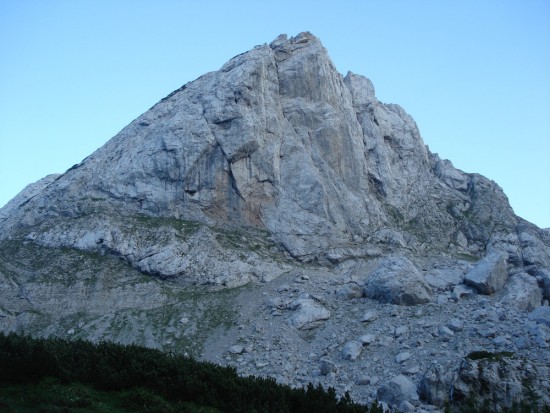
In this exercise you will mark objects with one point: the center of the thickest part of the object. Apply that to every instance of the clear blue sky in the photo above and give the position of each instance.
(475, 75)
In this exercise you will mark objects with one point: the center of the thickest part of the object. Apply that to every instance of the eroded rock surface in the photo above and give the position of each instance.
(278, 140)
(275, 216)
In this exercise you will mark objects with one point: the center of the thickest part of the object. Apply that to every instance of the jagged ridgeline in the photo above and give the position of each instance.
(279, 142)
(258, 209)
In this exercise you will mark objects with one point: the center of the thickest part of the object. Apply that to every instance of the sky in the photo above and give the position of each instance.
(475, 75)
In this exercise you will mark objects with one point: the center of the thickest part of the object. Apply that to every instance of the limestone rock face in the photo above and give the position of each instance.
(397, 281)
(268, 213)
(276, 140)
(25, 195)
(501, 381)
(544, 277)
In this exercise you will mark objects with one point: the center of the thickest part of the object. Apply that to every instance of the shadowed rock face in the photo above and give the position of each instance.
(278, 140)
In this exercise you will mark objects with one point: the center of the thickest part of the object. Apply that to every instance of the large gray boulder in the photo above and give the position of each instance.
(397, 281)
(434, 387)
(308, 314)
(397, 390)
(522, 292)
(352, 350)
(327, 366)
(490, 273)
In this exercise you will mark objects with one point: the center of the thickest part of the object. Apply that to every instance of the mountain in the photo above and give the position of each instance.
(274, 176)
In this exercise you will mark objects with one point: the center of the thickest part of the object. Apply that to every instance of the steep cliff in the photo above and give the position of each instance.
(275, 167)
(277, 140)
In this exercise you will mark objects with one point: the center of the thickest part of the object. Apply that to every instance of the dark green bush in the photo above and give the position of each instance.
(152, 376)
(487, 355)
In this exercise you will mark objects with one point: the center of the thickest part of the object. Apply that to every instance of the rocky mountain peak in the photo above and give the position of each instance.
(278, 140)
(279, 173)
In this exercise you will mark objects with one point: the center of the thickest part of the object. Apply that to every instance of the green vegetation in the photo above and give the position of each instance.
(467, 257)
(183, 227)
(487, 355)
(473, 405)
(53, 395)
(79, 376)
(73, 277)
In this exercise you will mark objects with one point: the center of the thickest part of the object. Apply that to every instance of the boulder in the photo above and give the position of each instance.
(540, 315)
(352, 350)
(326, 367)
(462, 291)
(489, 274)
(236, 349)
(402, 357)
(367, 339)
(350, 291)
(397, 390)
(308, 314)
(435, 385)
(370, 315)
(522, 292)
(445, 333)
(533, 248)
(455, 325)
(397, 281)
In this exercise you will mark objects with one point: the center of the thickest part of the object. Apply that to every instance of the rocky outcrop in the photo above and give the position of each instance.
(277, 140)
(275, 216)
(494, 381)
(543, 277)
(29, 192)
(499, 380)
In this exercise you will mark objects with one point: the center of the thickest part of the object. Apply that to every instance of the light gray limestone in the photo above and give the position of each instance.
(522, 292)
(490, 274)
(238, 192)
(307, 314)
(352, 350)
(397, 390)
(397, 281)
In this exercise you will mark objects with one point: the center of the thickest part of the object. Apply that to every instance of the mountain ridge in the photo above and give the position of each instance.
(255, 187)
(249, 215)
